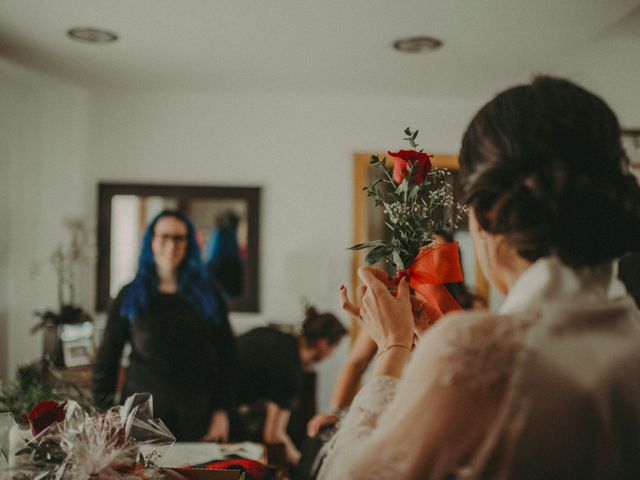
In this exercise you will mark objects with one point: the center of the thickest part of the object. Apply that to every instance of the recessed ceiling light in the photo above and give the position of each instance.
(417, 44)
(92, 35)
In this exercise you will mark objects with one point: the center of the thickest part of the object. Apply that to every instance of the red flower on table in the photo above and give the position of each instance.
(403, 160)
(45, 414)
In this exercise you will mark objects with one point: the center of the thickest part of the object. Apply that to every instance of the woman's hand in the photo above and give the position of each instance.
(386, 317)
(218, 427)
(319, 421)
(424, 314)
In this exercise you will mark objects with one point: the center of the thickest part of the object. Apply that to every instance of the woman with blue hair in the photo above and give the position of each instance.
(182, 347)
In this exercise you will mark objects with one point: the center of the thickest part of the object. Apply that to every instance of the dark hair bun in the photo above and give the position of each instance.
(310, 312)
(322, 325)
(543, 164)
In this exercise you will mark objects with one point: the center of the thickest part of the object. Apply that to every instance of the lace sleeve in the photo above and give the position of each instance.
(360, 422)
(430, 423)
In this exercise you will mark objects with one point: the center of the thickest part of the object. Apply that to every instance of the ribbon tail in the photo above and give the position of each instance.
(438, 296)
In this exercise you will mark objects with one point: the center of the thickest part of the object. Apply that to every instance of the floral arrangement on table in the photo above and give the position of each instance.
(67, 442)
(411, 193)
(33, 385)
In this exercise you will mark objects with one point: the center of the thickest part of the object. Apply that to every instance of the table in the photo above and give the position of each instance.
(197, 453)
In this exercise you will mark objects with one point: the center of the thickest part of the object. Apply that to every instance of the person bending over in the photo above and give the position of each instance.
(272, 365)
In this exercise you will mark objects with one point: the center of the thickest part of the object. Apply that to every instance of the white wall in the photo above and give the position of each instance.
(610, 67)
(7, 104)
(42, 181)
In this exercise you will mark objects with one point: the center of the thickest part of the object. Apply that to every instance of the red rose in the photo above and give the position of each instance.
(45, 414)
(403, 159)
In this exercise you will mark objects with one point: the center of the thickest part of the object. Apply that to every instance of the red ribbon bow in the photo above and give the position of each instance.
(434, 266)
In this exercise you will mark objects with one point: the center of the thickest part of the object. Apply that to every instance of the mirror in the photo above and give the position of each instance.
(125, 210)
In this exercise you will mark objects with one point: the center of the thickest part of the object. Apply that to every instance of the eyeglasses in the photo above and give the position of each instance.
(164, 238)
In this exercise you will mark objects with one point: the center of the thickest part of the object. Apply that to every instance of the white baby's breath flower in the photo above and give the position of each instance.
(414, 208)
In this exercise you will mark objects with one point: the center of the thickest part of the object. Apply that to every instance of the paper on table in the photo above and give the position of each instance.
(253, 451)
(197, 453)
(192, 453)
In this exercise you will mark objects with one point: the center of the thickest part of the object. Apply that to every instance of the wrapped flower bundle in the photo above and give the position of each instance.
(412, 192)
(70, 443)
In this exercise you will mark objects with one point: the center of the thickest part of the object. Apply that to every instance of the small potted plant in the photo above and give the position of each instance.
(66, 260)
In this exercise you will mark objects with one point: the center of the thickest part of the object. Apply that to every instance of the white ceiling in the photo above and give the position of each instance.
(305, 46)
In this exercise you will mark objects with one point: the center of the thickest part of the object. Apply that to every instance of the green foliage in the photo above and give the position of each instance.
(36, 383)
(409, 209)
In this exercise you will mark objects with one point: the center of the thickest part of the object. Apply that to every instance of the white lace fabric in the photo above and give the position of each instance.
(549, 388)
(360, 423)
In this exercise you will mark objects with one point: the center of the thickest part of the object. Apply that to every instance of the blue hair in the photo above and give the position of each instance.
(224, 265)
(192, 282)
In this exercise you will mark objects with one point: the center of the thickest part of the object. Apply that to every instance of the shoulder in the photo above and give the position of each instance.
(267, 336)
(467, 329)
(272, 348)
(479, 347)
(124, 293)
(258, 332)
(484, 323)
(126, 289)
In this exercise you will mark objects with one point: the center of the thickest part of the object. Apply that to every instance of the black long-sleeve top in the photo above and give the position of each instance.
(172, 347)
(270, 367)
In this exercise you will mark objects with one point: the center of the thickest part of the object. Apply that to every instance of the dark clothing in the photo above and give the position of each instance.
(270, 367)
(629, 274)
(186, 414)
(229, 274)
(186, 361)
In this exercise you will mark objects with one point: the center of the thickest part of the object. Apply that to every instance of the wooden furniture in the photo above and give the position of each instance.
(78, 376)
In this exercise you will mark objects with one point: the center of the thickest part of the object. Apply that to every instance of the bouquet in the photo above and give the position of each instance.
(67, 442)
(411, 193)
(33, 386)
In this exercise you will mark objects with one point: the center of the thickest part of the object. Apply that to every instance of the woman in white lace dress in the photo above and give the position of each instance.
(549, 387)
